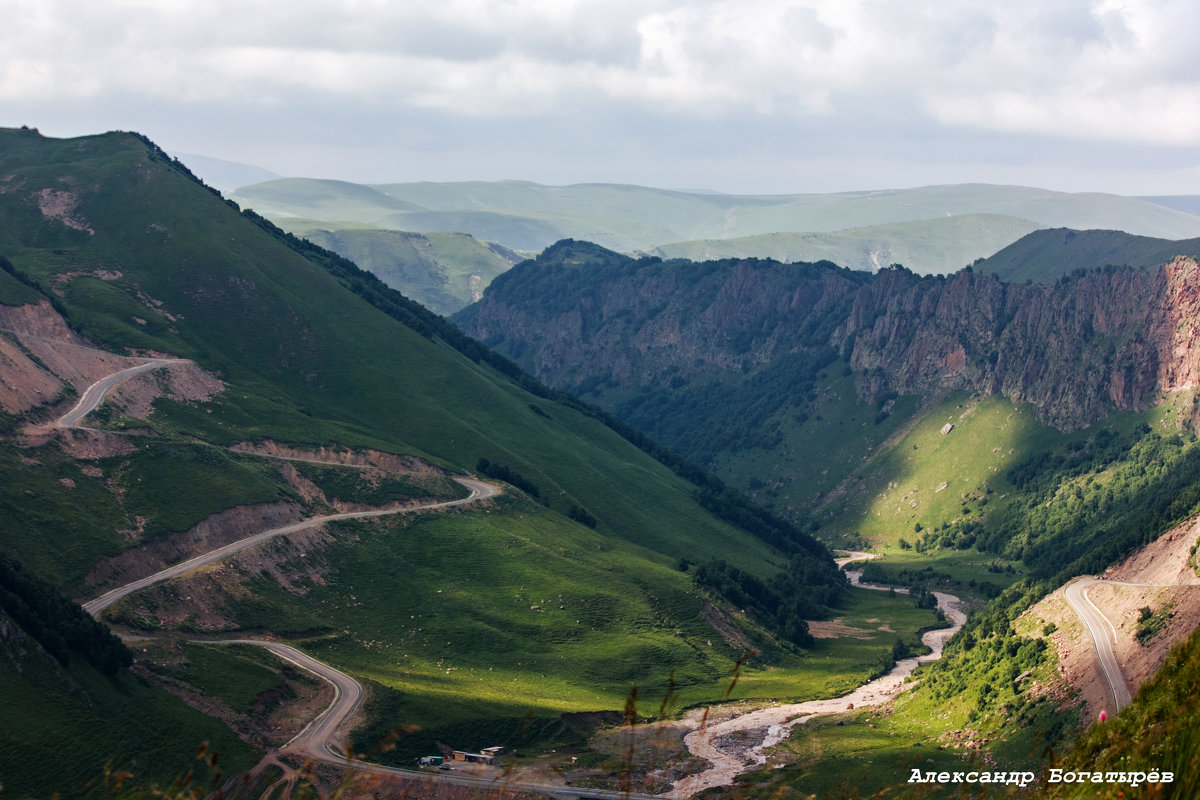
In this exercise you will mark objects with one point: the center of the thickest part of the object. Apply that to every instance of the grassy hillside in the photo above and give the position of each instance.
(314, 353)
(1045, 256)
(996, 699)
(1157, 733)
(442, 271)
(931, 246)
(65, 686)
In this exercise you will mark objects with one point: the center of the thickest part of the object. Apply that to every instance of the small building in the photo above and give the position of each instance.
(474, 758)
(430, 761)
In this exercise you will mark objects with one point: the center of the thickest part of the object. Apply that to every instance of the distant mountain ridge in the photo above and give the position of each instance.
(936, 229)
(1044, 256)
(938, 245)
(626, 218)
(225, 175)
(1187, 203)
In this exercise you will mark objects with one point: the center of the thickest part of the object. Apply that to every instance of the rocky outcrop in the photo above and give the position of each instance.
(1078, 351)
(1090, 345)
(40, 357)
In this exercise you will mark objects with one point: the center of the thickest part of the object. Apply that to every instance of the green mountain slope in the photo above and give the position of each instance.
(1045, 256)
(315, 355)
(939, 245)
(442, 271)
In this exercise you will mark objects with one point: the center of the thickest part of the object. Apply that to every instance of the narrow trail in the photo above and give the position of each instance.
(730, 754)
(479, 491)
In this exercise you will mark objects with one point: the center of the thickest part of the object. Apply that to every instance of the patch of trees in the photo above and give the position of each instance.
(911, 580)
(985, 660)
(781, 604)
(581, 516)
(60, 626)
(1047, 469)
(705, 419)
(502, 473)
(1075, 521)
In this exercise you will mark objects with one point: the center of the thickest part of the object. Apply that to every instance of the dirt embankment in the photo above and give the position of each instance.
(1172, 593)
(219, 529)
(389, 462)
(40, 357)
(208, 599)
(274, 717)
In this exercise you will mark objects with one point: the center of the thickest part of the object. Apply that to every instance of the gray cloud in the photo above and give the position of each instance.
(561, 91)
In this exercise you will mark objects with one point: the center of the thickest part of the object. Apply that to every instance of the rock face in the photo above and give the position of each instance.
(1079, 350)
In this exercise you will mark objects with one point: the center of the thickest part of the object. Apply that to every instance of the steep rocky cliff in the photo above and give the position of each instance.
(1079, 350)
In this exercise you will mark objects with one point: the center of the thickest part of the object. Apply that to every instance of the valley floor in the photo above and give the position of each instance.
(727, 744)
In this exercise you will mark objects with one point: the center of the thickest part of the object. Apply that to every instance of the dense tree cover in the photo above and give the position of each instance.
(581, 516)
(706, 419)
(802, 590)
(1084, 508)
(60, 626)
(1092, 510)
(502, 473)
(913, 581)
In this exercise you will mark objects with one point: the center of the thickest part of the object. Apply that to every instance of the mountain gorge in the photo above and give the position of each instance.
(641, 335)
(264, 355)
(991, 439)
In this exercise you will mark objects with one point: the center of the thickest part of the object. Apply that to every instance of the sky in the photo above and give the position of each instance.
(741, 96)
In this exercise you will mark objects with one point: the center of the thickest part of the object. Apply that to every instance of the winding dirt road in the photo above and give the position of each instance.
(479, 491)
(319, 738)
(1103, 636)
(94, 395)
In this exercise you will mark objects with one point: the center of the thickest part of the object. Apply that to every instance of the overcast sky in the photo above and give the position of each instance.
(746, 96)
